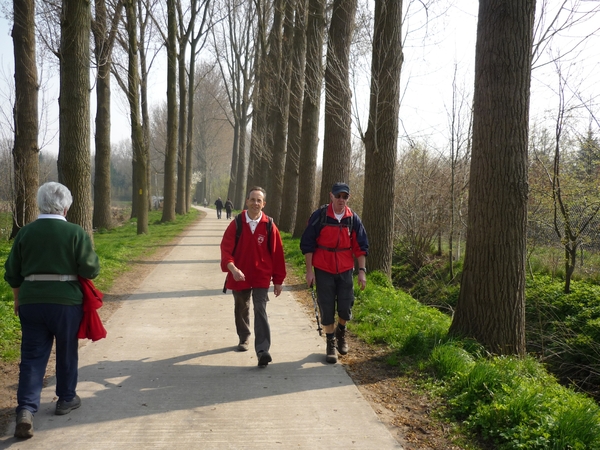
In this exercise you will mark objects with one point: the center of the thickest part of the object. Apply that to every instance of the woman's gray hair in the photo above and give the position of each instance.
(53, 198)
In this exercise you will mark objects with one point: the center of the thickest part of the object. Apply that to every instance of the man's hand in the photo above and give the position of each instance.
(238, 275)
(277, 288)
(310, 278)
(362, 280)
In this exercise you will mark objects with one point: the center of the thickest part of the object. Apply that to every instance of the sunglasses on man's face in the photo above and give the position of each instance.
(344, 196)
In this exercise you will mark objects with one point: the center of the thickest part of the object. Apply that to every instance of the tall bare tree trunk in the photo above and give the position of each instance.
(235, 151)
(282, 106)
(140, 156)
(74, 165)
(188, 130)
(181, 204)
(25, 151)
(315, 31)
(102, 217)
(236, 59)
(381, 138)
(242, 161)
(270, 93)
(491, 303)
(189, 141)
(104, 37)
(168, 214)
(337, 140)
(289, 204)
(258, 143)
(144, 96)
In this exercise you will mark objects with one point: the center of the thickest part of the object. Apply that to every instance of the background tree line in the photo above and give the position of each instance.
(259, 78)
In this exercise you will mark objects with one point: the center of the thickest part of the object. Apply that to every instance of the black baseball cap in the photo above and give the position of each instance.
(338, 188)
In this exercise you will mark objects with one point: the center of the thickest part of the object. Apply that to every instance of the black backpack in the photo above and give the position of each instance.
(321, 220)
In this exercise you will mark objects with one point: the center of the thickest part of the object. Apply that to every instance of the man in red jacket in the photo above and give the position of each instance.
(251, 264)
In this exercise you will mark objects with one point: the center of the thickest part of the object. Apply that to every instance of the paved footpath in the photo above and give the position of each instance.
(168, 377)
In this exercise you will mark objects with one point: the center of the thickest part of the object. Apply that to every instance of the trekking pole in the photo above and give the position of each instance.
(314, 297)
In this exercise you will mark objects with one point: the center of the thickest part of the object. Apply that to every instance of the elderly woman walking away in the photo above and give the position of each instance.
(42, 268)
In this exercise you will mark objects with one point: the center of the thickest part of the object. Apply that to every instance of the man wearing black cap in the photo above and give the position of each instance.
(332, 239)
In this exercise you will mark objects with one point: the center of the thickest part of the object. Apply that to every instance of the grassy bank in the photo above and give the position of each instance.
(504, 402)
(117, 249)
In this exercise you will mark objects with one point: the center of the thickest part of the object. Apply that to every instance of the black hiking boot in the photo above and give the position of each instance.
(342, 345)
(331, 355)
(24, 428)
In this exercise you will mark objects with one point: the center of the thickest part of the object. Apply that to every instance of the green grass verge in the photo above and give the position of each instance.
(117, 249)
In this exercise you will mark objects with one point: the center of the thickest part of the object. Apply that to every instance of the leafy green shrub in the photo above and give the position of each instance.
(537, 416)
(429, 283)
(488, 377)
(450, 360)
(384, 315)
(515, 404)
(437, 293)
(403, 276)
(564, 329)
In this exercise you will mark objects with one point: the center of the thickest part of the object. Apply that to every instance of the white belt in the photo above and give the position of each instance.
(50, 277)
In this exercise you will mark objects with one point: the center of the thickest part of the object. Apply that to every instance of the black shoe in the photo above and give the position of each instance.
(342, 345)
(63, 407)
(331, 355)
(24, 428)
(263, 359)
(243, 346)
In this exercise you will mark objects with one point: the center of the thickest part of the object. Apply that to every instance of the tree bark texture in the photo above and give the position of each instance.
(189, 141)
(235, 148)
(491, 304)
(168, 214)
(337, 141)
(103, 40)
(258, 141)
(181, 204)
(311, 107)
(140, 156)
(282, 107)
(289, 203)
(25, 151)
(242, 160)
(74, 165)
(381, 139)
(270, 163)
(143, 23)
(235, 155)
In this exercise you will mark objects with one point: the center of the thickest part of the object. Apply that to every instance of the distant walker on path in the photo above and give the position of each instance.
(228, 207)
(219, 206)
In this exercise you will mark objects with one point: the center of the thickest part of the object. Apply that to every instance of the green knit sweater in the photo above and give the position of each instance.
(50, 246)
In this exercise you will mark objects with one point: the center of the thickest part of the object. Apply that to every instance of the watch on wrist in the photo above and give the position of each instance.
(364, 269)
